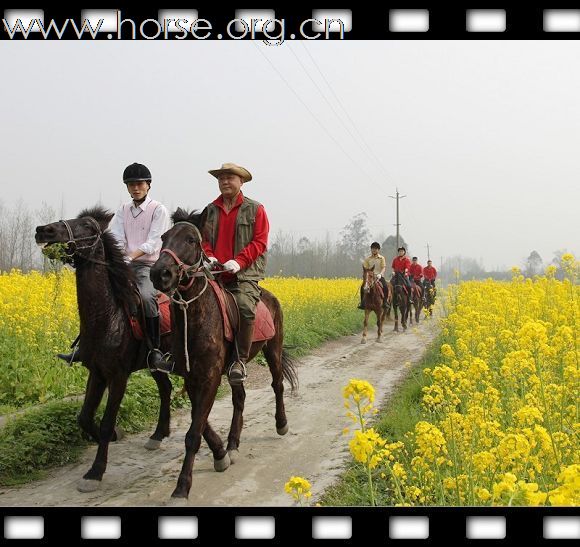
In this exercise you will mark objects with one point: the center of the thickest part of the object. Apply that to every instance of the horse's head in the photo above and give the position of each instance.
(369, 278)
(181, 251)
(74, 235)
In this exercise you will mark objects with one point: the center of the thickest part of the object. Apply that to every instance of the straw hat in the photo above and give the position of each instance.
(234, 169)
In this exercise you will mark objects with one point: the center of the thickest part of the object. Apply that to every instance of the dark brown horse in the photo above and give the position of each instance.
(417, 302)
(200, 349)
(430, 292)
(105, 289)
(400, 300)
(372, 301)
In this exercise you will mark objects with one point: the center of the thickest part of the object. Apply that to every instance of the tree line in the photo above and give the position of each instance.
(288, 254)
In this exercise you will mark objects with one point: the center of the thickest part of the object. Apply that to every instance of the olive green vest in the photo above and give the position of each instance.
(244, 235)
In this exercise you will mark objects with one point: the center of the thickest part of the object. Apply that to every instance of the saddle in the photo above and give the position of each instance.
(135, 314)
(263, 327)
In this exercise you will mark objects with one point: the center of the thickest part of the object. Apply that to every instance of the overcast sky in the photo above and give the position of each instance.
(483, 137)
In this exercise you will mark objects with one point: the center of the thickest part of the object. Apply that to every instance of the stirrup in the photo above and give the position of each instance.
(166, 361)
(237, 381)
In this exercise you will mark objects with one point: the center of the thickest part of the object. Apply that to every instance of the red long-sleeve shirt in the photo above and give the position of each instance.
(224, 246)
(401, 263)
(416, 270)
(429, 272)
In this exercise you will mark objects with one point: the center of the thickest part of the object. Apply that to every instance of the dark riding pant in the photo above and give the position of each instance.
(247, 295)
(147, 290)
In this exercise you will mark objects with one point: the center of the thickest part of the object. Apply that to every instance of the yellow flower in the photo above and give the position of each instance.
(298, 488)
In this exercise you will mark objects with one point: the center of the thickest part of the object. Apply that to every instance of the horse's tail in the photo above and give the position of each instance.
(289, 370)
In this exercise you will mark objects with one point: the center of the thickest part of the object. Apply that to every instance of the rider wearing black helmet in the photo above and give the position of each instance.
(138, 226)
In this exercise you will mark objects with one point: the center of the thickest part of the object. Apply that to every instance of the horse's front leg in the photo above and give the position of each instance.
(94, 393)
(365, 325)
(380, 314)
(202, 397)
(92, 479)
(162, 430)
(238, 400)
(221, 459)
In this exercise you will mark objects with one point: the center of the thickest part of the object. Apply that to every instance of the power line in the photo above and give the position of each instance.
(367, 176)
(377, 159)
(323, 95)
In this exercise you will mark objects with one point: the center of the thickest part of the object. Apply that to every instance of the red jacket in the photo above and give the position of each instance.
(430, 273)
(224, 246)
(416, 270)
(401, 263)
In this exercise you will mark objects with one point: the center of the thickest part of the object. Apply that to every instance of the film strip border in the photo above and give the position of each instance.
(303, 526)
(347, 24)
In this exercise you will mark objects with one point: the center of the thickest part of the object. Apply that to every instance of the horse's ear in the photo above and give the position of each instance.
(106, 220)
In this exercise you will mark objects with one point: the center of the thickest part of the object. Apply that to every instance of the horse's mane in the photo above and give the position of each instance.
(121, 276)
(193, 217)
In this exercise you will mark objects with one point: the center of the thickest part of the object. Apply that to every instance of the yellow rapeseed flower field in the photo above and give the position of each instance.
(38, 318)
(500, 420)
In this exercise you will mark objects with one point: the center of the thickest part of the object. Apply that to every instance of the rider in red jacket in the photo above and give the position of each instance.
(429, 273)
(416, 271)
(401, 264)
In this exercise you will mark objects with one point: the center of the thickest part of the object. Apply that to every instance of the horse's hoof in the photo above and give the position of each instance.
(234, 454)
(363, 341)
(176, 501)
(87, 485)
(223, 464)
(379, 340)
(152, 444)
(119, 433)
(282, 430)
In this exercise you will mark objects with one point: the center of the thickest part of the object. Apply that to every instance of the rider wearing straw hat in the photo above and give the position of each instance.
(236, 235)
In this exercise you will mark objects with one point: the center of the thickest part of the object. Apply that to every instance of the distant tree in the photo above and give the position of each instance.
(355, 237)
(389, 247)
(533, 264)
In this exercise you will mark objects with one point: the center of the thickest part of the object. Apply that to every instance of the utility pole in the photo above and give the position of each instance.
(397, 197)
(428, 255)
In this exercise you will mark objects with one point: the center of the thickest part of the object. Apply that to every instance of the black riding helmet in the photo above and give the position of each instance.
(402, 249)
(375, 245)
(136, 172)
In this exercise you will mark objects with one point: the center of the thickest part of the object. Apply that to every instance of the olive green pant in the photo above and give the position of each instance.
(247, 295)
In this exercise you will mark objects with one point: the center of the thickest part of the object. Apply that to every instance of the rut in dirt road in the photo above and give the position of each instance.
(314, 447)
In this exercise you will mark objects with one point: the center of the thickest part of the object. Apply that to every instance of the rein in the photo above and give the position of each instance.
(189, 272)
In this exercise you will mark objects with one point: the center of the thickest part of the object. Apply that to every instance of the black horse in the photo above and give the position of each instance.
(401, 300)
(106, 289)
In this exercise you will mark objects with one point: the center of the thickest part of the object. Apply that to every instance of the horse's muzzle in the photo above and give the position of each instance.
(164, 278)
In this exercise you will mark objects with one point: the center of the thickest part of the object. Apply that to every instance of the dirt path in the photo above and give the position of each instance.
(314, 447)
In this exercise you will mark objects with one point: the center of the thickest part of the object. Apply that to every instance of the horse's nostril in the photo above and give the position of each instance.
(165, 275)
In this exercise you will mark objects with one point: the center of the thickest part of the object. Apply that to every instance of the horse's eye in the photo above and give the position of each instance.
(190, 240)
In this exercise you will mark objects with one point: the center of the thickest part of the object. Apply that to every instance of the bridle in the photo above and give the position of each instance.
(186, 271)
(189, 272)
(368, 286)
(72, 243)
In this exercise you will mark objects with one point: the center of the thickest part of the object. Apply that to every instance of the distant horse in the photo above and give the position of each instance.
(418, 302)
(106, 289)
(400, 300)
(430, 293)
(200, 348)
(372, 301)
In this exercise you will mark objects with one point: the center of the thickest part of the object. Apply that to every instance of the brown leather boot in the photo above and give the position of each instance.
(237, 371)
